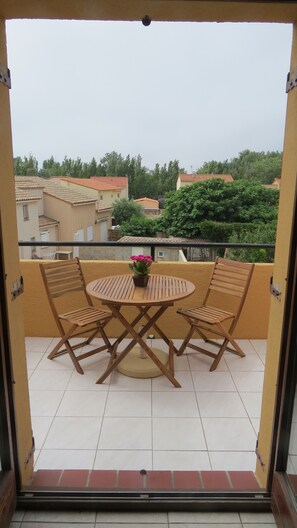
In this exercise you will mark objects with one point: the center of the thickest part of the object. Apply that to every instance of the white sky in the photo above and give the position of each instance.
(194, 92)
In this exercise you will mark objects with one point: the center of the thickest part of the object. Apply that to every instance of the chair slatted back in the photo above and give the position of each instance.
(231, 278)
(63, 278)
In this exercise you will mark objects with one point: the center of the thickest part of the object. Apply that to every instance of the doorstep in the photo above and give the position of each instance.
(123, 480)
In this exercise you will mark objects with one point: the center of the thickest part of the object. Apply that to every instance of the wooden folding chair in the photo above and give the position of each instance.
(63, 278)
(231, 280)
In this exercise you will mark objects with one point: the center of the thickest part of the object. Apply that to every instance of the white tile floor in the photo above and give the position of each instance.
(39, 519)
(128, 423)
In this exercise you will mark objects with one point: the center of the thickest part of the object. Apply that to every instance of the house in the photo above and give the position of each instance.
(32, 223)
(48, 211)
(276, 184)
(188, 179)
(121, 182)
(150, 206)
(104, 193)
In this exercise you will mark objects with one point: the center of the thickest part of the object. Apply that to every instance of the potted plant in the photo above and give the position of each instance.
(141, 268)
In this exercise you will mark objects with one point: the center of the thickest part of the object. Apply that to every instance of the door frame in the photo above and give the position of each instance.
(283, 504)
(9, 475)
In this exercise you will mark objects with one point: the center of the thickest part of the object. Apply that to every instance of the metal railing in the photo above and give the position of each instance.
(152, 246)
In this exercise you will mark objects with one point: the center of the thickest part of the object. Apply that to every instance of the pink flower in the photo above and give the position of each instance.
(141, 264)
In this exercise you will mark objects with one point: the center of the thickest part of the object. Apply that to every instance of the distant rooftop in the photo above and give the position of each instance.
(24, 195)
(143, 199)
(190, 178)
(119, 181)
(152, 240)
(45, 221)
(54, 188)
(91, 183)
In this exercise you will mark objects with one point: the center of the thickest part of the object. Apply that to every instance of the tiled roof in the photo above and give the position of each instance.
(119, 181)
(45, 221)
(151, 240)
(54, 188)
(24, 195)
(91, 184)
(189, 178)
(29, 182)
(144, 199)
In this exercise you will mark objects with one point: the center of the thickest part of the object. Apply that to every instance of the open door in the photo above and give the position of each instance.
(284, 475)
(7, 451)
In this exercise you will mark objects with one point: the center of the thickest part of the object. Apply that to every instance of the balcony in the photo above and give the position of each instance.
(127, 423)
(211, 423)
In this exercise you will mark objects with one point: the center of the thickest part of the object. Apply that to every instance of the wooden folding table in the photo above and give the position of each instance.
(161, 292)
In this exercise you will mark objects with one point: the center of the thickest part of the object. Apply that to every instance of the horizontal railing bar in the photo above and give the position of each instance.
(146, 244)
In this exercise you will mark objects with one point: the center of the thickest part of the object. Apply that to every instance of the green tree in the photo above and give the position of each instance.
(215, 167)
(27, 166)
(217, 201)
(139, 226)
(262, 167)
(124, 209)
(258, 234)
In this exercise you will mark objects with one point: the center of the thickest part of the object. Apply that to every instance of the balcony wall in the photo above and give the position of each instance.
(253, 323)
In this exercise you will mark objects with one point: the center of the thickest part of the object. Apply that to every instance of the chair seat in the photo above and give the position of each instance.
(229, 282)
(65, 278)
(207, 314)
(85, 316)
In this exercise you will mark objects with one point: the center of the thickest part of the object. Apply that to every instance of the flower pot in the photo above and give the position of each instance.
(140, 280)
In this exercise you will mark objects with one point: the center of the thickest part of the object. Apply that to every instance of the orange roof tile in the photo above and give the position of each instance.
(119, 181)
(187, 178)
(91, 184)
(143, 199)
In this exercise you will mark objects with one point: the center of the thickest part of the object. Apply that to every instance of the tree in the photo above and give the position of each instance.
(217, 201)
(259, 234)
(139, 226)
(124, 209)
(262, 167)
(26, 167)
(215, 167)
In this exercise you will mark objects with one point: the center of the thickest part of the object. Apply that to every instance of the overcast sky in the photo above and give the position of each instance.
(194, 92)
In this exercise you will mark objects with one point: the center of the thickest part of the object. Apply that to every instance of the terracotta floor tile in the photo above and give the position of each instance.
(104, 479)
(215, 480)
(187, 480)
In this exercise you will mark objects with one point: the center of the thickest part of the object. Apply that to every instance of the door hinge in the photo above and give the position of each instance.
(31, 452)
(5, 76)
(291, 80)
(258, 454)
(17, 288)
(275, 290)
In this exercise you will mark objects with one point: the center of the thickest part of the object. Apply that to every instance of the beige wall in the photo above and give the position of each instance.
(71, 218)
(253, 323)
(27, 229)
(124, 253)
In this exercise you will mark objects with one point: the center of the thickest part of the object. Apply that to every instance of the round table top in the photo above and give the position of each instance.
(120, 289)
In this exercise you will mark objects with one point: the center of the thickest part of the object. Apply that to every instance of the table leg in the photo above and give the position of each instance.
(138, 339)
(161, 333)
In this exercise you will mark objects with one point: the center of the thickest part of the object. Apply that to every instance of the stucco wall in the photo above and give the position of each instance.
(253, 323)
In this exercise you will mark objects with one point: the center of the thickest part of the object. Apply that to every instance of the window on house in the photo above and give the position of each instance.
(25, 212)
(101, 197)
(161, 254)
(44, 236)
(90, 233)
